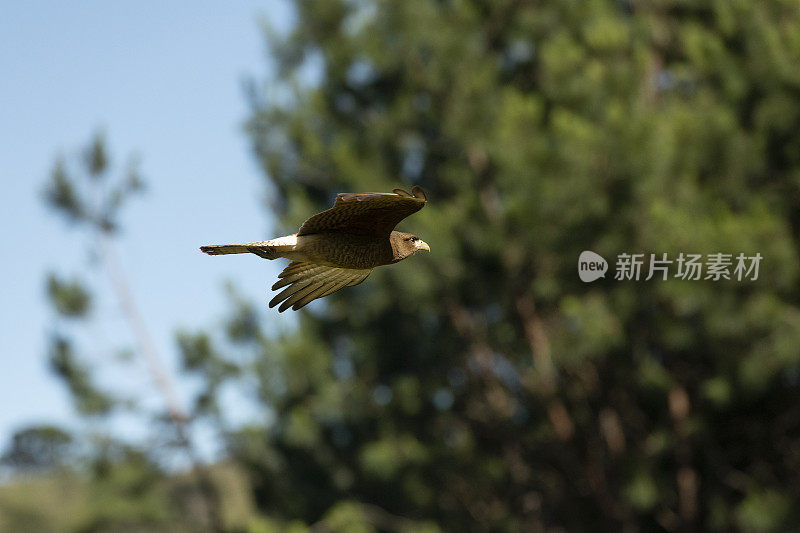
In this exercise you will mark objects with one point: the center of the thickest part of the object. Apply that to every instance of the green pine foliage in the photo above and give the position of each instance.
(485, 386)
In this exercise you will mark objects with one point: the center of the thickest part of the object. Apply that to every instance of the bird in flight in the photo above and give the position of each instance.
(339, 247)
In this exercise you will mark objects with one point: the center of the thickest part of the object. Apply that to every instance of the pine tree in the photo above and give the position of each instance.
(486, 386)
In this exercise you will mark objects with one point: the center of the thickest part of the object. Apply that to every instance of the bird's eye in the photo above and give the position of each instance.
(414, 239)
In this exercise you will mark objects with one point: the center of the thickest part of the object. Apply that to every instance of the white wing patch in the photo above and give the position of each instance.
(309, 281)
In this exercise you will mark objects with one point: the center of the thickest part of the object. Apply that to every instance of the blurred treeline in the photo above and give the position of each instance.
(484, 387)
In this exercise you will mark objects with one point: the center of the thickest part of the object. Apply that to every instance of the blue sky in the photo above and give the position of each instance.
(164, 81)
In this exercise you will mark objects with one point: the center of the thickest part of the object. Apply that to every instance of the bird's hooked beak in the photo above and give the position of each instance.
(422, 245)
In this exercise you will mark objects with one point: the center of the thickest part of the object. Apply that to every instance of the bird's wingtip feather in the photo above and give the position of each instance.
(416, 192)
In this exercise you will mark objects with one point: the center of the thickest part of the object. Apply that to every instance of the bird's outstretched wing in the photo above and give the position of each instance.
(370, 213)
(309, 281)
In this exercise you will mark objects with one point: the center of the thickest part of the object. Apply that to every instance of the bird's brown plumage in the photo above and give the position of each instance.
(370, 213)
(338, 247)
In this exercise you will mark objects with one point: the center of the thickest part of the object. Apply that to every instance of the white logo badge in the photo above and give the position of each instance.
(591, 266)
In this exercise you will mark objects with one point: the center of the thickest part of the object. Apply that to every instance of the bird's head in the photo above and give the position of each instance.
(405, 244)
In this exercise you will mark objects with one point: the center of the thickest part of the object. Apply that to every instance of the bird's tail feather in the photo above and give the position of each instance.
(266, 249)
(224, 249)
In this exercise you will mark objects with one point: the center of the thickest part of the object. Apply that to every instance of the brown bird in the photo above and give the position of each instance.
(339, 247)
